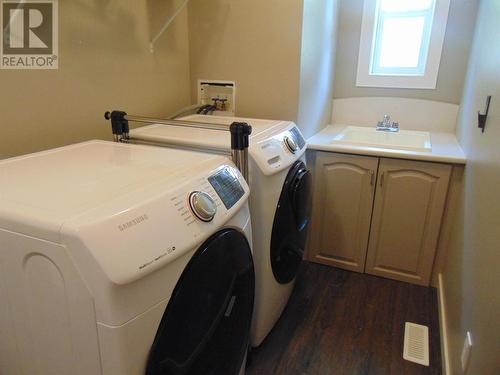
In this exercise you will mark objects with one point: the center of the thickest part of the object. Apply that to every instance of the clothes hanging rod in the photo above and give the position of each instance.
(240, 133)
(181, 123)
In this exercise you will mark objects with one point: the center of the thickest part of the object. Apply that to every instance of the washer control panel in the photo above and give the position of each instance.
(202, 205)
(166, 221)
(211, 197)
(227, 186)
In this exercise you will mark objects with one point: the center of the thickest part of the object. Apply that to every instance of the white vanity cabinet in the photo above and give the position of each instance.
(378, 215)
(344, 188)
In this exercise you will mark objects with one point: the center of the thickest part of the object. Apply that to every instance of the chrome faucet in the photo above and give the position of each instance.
(386, 125)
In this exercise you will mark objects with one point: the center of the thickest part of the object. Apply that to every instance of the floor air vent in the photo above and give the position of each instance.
(416, 346)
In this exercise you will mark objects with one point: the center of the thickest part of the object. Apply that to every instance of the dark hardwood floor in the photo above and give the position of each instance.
(340, 322)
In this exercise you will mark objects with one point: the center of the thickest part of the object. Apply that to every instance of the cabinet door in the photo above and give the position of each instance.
(406, 220)
(342, 206)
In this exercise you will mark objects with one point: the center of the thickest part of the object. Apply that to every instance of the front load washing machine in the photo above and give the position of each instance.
(280, 201)
(124, 260)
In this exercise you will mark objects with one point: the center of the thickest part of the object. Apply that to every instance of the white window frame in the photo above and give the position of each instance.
(411, 81)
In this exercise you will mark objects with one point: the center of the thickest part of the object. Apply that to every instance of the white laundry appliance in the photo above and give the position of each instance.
(280, 201)
(123, 259)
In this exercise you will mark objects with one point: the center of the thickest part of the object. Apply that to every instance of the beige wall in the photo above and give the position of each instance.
(105, 63)
(255, 43)
(470, 273)
(319, 35)
(458, 36)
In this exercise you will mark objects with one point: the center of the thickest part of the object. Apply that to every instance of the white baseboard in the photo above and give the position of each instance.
(443, 327)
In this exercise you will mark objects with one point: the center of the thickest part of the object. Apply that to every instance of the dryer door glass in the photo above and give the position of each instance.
(205, 327)
(300, 198)
(291, 223)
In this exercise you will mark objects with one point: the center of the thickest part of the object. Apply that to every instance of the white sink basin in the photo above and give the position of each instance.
(401, 140)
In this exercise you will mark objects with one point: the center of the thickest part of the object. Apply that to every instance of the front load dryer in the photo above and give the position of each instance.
(280, 201)
(122, 259)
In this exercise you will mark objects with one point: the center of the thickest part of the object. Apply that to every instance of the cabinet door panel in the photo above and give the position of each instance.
(407, 215)
(343, 198)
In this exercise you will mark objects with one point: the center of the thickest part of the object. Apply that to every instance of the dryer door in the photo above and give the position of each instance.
(291, 223)
(205, 327)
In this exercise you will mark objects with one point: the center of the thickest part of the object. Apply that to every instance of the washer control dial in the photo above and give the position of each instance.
(291, 144)
(202, 205)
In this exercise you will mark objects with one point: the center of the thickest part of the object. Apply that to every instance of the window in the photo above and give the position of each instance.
(401, 43)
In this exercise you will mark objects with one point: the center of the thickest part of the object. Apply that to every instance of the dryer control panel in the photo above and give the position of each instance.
(278, 150)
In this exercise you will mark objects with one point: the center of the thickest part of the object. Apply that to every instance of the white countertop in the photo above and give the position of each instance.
(445, 147)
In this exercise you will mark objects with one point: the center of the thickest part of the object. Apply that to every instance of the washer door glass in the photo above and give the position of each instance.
(291, 223)
(205, 327)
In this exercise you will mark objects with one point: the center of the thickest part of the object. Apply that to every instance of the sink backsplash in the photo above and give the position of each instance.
(412, 114)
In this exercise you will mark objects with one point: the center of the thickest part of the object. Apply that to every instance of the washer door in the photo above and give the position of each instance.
(291, 223)
(205, 327)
